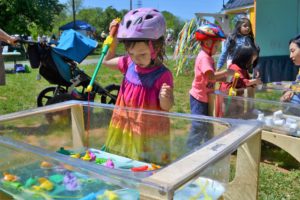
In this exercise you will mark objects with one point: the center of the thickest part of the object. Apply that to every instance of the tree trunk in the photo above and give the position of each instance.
(2, 68)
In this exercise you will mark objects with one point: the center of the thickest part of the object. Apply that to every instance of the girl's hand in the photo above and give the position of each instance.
(166, 98)
(258, 82)
(113, 33)
(113, 23)
(287, 96)
(166, 92)
(12, 40)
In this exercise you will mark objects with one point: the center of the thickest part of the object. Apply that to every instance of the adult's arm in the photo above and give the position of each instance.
(223, 55)
(6, 38)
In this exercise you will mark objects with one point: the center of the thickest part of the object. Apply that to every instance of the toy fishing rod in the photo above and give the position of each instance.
(232, 90)
(106, 44)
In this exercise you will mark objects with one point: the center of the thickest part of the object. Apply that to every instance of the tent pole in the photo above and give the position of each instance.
(73, 7)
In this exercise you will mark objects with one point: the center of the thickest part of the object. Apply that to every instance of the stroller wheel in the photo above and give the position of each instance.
(65, 115)
(110, 95)
(60, 115)
(48, 93)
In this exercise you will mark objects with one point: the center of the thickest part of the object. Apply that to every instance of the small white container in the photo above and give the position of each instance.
(297, 133)
(279, 122)
(261, 117)
(293, 127)
(278, 114)
(290, 121)
(269, 122)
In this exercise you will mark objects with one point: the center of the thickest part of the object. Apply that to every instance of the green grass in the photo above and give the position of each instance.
(274, 95)
(21, 90)
(276, 183)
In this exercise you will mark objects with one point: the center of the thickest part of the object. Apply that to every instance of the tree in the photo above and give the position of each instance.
(100, 18)
(173, 22)
(93, 16)
(109, 14)
(21, 15)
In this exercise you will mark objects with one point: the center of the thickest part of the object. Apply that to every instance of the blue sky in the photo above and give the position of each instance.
(184, 9)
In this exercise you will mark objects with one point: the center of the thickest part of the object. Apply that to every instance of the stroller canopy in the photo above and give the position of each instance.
(74, 45)
(79, 25)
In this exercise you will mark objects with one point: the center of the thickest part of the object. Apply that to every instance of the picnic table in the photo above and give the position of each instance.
(4, 53)
(14, 54)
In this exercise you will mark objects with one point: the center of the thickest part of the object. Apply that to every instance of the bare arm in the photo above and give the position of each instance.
(253, 82)
(218, 75)
(287, 96)
(7, 38)
(110, 60)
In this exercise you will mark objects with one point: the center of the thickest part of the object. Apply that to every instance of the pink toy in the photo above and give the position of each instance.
(109, 163)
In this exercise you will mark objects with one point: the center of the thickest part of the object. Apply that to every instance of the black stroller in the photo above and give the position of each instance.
(58, 65)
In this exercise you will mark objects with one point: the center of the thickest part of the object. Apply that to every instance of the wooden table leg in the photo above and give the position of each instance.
(245, 183)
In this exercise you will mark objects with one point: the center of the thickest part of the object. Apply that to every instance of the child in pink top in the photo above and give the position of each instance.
(242, 61)
(147, 84)
(210, 37)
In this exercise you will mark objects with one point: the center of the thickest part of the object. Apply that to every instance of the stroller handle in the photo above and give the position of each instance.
(25, 40)
(22, 40)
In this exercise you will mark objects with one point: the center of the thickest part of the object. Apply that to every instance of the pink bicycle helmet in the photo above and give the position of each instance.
(142, 24)
(209, 31)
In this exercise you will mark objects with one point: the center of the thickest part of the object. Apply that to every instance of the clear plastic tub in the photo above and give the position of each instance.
(74, 140)
(263, 105)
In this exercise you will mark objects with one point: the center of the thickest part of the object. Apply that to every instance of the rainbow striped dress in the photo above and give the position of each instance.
(135, 134)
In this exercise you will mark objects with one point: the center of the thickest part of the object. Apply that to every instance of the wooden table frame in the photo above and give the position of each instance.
(288, 143)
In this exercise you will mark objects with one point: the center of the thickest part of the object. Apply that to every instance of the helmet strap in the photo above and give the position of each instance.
(152, 51)
(209, 48)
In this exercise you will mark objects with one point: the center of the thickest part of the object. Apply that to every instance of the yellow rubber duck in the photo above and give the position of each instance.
(154, 166)
(46, 165)
(108, 195)
(45, 184)
(76, 155)
(68, 167)
(9, 177)
(87, 156)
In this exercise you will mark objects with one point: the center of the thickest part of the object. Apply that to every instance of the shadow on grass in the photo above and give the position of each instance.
(274, 155)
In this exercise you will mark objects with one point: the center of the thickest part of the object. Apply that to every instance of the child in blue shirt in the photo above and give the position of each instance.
(241, 35)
